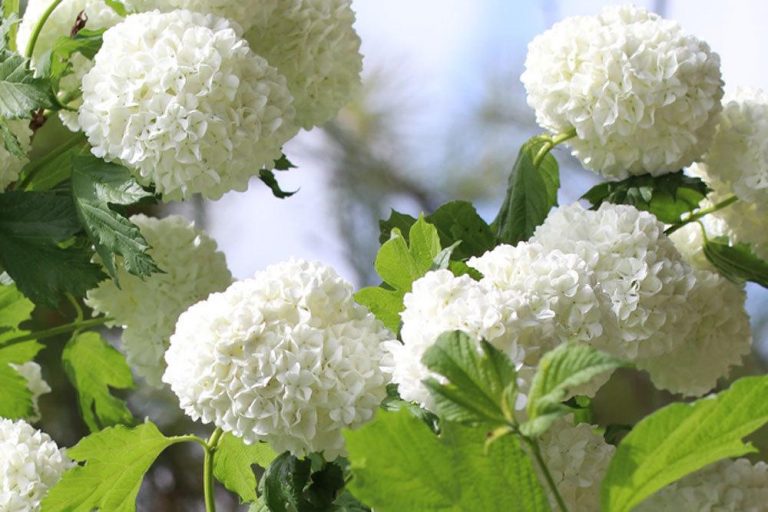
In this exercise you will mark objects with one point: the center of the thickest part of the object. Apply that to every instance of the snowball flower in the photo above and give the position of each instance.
(727, 486)
(577, 458)
(287, 357)
(10, 164)
(181, 100)
(746, 224)
(718, 341)
(689, 239)
(35, 384)
(440, 302)
(30, 464)
(636, 265)
(642, 95)
(737, 160)
(314, 44)
(148, 308)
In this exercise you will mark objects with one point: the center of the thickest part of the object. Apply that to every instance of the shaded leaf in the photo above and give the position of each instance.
(459, 221)
(737, 262)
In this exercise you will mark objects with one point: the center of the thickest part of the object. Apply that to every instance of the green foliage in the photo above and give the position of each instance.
(20, 91)
(668, 197)
(559, 371)
(304, 485)
(55, 167)
(736, 262)
(95, 186)
(115, 462)
(10, 141)
(531, 194)
(682, 438)
(118, 7)
(399, 465)
(14, 309)
(233, 465)
(86, 42)
(481, 387)
(17, 398)
(11, 13)
(399, 264)
(268, 178)
(33, 229)
(93, 367)
(393, 402)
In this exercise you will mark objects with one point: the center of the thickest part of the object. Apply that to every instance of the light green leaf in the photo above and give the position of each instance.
(481, 385)
(115, 462)
(118, 7)
(560, 370)
(737, 262)
(95, 185)
(399, 465)
(682, 438)
(93, 367)
(16, 399)
(233, 465)
(401, 221)
(531, 194)
(20, 92)
(11, 15)
(14, 309)
(86, 42)
(384, 304)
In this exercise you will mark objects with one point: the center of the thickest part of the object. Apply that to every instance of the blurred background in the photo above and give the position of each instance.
(441, 116)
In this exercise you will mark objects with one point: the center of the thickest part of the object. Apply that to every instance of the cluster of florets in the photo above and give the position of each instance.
(287, 357)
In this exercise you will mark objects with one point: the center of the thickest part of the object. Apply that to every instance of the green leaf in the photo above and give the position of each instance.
(401, 221)
(736, 262)
(531, 194)
(298, 485)
(95, 185)
(399, 265)
(560, 370)
(10, 141)
(682, 438)
(283, 164)
(55, 167)
(233, 465)
(14, 309)
(459, 221)
(668, 197)
(32, 227)
(115, 462)
(86, 42)
(481, 385)
(268, 178)
(399, 465)
(93, 367)
(11, 15)
(16, 400)
(20, 92)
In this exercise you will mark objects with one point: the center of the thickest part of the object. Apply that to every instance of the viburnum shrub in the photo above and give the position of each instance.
(465, 380)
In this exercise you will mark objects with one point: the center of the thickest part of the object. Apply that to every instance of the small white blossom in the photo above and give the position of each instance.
(10, 165)
(640, 93)
(181, 100)
(287, 357)
(577, 458)
(148, 308)
(725, 486)
(314, 44)
(636, 265)
(35, 384)
(30, 464)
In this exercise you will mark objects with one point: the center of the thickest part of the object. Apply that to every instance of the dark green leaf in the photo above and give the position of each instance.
(531, 194)
(115, 462)
(20, 92)
(481, 387)
(668, 197)
(16, 400)
(32, 224)
(233, 465)
(459, 221)
(401, 221)
(284, 483)
(283, 164)
(399, 465)
(45, 173)
(736, 262)
(559, 371)
(268, 177)
(682, 438)
(95, 185)
(93, 367)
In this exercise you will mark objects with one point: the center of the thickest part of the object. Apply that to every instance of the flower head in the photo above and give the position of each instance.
(30, 464)
(314, 44)
(287, 357)
(10, 164)
(641, 95)
(148, 308)
(180, 99)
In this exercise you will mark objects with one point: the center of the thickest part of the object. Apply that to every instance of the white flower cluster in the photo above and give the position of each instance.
(180, 98)
(148, 308)
(30, 464)
(10, 164)
(31, 372)
(246, 14)
(577, 458)
(287, 357)
(642, 95)
(314, 44)
(727, 486)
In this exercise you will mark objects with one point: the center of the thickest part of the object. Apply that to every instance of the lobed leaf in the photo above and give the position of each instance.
(233, 465)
